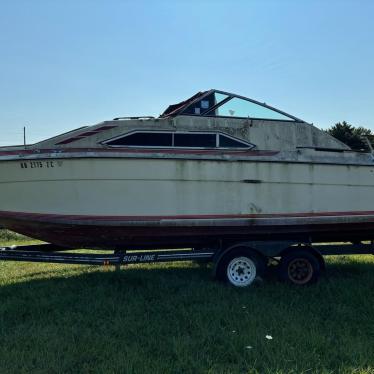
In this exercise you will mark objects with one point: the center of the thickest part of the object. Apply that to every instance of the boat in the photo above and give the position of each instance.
(215, 168)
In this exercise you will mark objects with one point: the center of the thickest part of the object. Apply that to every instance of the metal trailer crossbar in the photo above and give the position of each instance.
(239, 264)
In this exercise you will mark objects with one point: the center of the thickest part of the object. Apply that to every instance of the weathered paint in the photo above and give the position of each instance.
(128, 186)
(265, 134)
(92, 194)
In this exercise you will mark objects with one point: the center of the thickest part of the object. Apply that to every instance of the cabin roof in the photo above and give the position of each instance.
(216, 103)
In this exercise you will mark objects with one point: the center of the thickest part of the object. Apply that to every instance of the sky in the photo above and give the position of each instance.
(66, 64)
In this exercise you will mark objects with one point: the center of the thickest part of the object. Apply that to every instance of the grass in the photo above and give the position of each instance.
(172, 318)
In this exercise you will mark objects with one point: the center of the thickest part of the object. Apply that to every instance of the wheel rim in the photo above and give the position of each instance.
(300, 271)
(241, 271)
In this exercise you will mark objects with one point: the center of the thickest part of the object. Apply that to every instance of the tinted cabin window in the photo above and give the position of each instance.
(195, 140)
(226, 142)
(182, 140)
(144, 139)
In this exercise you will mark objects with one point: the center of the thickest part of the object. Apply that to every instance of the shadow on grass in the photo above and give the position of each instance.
(175, 319)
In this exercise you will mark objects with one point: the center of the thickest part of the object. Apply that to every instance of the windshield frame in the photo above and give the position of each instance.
(194, 99)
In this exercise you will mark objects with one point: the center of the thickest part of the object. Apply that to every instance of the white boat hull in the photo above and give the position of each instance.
(120, 201)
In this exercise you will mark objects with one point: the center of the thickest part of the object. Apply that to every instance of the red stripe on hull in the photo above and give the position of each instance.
(106, 235)
(52, 152)
(106, 218)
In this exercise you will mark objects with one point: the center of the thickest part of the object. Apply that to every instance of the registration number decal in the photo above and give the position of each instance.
(40, 164)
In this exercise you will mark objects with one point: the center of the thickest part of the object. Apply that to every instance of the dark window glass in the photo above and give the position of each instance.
(195, 140)
(145, 139)
(227, 142)
(205, 104)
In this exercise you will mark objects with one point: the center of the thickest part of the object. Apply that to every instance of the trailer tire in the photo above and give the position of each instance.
(300, 267)
(240, 267)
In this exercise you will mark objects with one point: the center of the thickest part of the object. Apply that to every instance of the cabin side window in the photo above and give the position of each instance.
(228, 142)
(153, 139)
(195, 140)
(144, 139)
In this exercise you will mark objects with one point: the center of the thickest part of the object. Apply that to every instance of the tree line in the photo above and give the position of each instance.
(353, 136)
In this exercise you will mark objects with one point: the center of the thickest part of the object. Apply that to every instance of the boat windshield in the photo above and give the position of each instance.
(215, 103)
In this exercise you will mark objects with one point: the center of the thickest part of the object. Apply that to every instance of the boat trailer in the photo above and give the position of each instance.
(50, 253)
(239, 264)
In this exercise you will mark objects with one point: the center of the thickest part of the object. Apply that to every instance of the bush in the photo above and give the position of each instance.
(10, 235)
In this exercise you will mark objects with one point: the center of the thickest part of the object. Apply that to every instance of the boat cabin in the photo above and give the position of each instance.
(208, 120)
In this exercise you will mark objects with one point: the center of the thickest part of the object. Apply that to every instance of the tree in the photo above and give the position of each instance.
(350, 135)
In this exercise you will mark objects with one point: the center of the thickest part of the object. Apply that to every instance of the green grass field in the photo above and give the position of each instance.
(172, 318)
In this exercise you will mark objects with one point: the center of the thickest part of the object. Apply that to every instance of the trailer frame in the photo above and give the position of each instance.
(261, 251)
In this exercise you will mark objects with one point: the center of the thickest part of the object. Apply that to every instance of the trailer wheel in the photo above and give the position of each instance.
(240, 267)
(300, 268)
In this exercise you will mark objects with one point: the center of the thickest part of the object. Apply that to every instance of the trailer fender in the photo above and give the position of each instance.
(310, 248)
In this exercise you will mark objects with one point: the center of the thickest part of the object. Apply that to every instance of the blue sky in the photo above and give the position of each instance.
(64, 64)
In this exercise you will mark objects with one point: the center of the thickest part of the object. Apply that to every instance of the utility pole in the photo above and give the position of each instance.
(24, 136)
